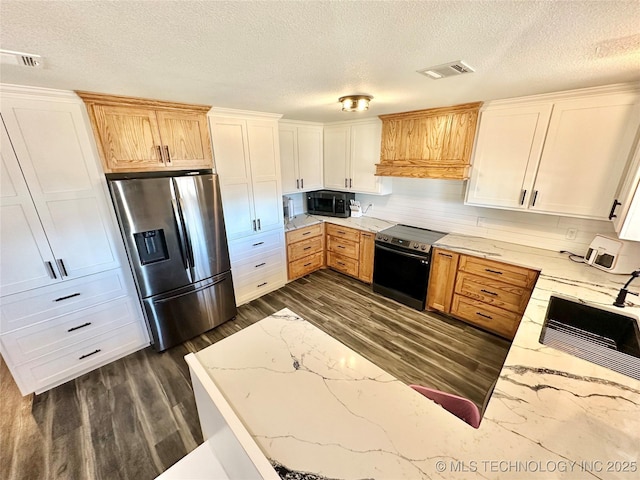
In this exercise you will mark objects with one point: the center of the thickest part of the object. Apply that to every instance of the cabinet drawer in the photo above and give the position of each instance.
(257, 263)
(304, 233)
(305, 266)
(255, 245)
(493, 292)
(44, 338)
(27, 308)
(343, 232)
(62, 365)
(495, 319)
(304, 248)
(251, 287)
(344, 247)
(342, 264)
(512, 274)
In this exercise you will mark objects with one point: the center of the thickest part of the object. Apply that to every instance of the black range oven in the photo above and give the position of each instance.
(402, 262)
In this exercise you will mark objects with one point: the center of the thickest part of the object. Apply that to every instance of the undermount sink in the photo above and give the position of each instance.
(607, 338)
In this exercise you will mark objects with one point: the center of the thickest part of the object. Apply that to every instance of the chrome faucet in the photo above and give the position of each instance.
(622, 294)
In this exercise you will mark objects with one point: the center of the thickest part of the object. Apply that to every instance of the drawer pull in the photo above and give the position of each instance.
(307, 248)
(307, 264)
(485, 316)
(493, 271)
(79, 327)
(340, 246)
(341, 263)
(341, 232)
(445, 254)
(488, 292)
(306, 233)
(256, 244)
(59, 299)
(261, 264)
(262, 284)
(89, 354)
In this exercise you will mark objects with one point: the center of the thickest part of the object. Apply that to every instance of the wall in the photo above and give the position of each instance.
(439, 205)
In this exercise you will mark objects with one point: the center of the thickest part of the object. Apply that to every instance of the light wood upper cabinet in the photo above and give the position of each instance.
(562, 154)
(147, 135)
(432, 143)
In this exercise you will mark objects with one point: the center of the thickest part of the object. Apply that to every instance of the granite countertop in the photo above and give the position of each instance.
(369, 224)
(313, 405)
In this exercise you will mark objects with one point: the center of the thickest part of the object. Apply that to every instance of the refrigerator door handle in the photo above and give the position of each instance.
(184, 231)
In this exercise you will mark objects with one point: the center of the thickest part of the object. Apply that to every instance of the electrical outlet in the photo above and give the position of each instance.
(571, 233)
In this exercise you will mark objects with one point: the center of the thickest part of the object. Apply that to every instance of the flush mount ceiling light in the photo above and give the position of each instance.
(446, 70)
(355, 103)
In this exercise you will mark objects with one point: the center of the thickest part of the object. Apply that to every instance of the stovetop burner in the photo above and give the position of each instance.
(409, 238)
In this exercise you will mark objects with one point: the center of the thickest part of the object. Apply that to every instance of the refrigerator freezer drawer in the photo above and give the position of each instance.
(184, 313)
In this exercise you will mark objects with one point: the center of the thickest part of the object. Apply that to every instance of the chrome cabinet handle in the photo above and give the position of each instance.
(160, 154)
(62, 267)
(166, 149)
(52, 272)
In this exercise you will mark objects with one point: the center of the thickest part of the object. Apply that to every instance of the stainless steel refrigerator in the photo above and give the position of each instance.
(174, 233)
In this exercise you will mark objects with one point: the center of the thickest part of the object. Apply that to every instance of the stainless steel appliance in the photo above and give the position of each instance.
(402, 262)
(174, 233)
(330, 203)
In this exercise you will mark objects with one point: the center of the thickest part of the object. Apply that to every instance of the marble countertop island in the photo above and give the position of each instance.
(316, 407)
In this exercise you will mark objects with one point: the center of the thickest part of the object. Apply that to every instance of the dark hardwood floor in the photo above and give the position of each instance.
(135, 417)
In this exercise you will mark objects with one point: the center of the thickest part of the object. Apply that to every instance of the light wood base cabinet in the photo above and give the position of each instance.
(488, 294)
(350, 251)
(305, 250)
(367, 251)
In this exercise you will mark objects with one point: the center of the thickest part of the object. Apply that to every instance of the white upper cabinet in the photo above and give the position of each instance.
(625, 212)
(247, 159)
(300, 156)
(54, 157)
(351, 151)
(562, 154)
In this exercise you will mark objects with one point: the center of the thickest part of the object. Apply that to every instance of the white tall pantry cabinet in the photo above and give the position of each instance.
(247, 159)
(66, 304)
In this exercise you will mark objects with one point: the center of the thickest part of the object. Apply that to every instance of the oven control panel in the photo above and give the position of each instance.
(406, 244)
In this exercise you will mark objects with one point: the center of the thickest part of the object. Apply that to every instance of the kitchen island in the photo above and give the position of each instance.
(310, 404)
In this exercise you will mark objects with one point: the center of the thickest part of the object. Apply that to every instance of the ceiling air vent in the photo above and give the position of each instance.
(447, 70)
(30, 60)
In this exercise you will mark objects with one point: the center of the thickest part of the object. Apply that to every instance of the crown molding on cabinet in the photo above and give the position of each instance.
(28, 92)
(122, 101)
(244, 114)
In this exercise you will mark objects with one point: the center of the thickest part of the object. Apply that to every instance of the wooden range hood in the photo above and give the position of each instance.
(432, 143)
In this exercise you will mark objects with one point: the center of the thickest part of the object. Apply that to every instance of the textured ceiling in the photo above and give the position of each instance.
(297, 58)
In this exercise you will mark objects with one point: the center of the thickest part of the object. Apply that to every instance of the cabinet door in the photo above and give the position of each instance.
(231, 151)
(337, 150)
(52, 143)
(367, 250)
(287, 136)
(507, 152)
(186, 137)
(128, 137)
(23, 243)
(265, 173)
(444, 266)
(585, 153)
(365, 153)
(626, 212)
(310, 158)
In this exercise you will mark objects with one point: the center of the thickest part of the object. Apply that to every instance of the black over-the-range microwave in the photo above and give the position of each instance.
(330, 203)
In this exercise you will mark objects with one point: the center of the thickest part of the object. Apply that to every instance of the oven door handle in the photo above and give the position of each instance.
(404, 253)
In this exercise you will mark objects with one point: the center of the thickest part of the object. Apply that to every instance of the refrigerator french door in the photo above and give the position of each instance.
(174, 233)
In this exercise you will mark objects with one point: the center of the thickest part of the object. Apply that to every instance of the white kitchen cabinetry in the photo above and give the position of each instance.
(351, 151)
(625, 212)
(66, 306)
(247, 159)
(300, 156)
(560, 154)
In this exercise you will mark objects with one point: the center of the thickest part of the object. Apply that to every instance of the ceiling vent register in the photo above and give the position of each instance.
(445, 70)
(9, 57)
